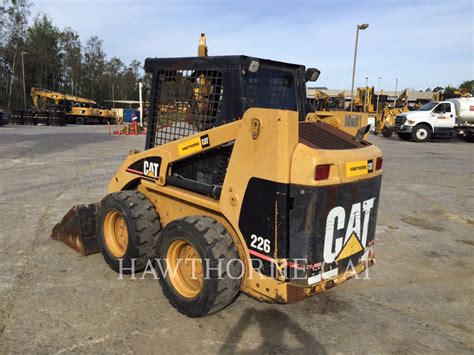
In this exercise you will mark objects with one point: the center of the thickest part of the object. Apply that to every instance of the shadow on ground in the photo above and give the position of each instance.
(274, 327)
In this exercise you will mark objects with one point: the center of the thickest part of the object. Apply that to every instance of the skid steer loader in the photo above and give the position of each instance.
(235, 190)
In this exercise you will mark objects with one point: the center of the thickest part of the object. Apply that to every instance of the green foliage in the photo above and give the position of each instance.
(468, 85)
(55, 59)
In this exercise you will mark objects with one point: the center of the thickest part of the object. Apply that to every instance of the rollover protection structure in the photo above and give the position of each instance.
(236, 190)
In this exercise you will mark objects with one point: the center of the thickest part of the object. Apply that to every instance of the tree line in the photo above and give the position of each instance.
(57, 60)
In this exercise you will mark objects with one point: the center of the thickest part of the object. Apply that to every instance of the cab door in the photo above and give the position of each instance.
(442, 115)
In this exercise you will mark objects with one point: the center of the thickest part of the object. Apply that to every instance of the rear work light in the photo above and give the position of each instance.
(378, 164)
(322, 172)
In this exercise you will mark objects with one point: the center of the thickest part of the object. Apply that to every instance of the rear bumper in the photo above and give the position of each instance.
(331, 229)
(295, 292)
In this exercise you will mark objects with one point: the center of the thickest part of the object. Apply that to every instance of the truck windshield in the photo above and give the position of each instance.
(428, 107)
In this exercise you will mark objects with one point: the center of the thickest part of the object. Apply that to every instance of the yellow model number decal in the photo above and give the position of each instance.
(193, 145)
(355, 168)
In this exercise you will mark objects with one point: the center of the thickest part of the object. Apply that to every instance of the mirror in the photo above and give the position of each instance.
(312, 74)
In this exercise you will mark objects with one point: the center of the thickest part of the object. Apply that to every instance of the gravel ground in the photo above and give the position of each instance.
(52, 300)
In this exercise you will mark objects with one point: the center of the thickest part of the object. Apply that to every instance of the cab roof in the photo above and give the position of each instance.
(230, 62)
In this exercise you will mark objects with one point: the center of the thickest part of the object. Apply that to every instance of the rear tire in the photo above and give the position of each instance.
(421, 133)
(206, 238)
(404, 136)
(127, 230)
(387, 133)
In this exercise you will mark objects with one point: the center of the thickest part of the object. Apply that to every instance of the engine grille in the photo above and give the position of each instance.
(323, 136)
(399, 121)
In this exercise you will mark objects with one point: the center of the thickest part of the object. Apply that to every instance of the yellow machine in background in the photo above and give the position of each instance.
(77, 109)
(385, 118)
(364, 100)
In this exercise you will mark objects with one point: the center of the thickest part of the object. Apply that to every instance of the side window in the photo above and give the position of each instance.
(438, 108)
(269, 88)
(447, 107)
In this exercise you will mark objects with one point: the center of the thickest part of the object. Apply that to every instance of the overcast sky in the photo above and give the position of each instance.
(423, 43)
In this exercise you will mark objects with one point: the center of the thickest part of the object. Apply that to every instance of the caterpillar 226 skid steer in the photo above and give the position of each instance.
(236, 190)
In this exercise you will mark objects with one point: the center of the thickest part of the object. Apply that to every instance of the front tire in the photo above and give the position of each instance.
(207, 277)
(127, 228)
(387, 133)
(421, 133)
(404, 136)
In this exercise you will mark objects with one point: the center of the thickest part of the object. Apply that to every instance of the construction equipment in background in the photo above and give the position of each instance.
(321, 100)
(455, 93)
(202, 47)
(74, 109)
(349, 122)
(286, 207)
(364, 100)
(385, 117)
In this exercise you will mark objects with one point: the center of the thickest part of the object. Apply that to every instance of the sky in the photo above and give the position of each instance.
(423, 43)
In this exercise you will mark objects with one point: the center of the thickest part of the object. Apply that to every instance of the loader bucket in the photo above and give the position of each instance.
(78, 229)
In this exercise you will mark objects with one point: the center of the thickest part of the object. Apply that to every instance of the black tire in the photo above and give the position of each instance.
(213, 243)
(79, 120)
(387, 133)
(404, 136)
(469, 139)
(142, 225)
(421, 133)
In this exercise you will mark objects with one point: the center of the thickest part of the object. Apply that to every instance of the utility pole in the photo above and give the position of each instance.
(113, 96)
(23, 72)
(140, 98)
(396, 91)
(378, 96)
(359, 27)
(366, 103)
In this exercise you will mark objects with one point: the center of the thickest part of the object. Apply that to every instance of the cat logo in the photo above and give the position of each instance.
(194, 145)
(342, 241)
(150, 169)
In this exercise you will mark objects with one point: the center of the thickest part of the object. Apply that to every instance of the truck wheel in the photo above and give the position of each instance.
(79, 120)
(404, 136)
(127, 228)
(421, 133)
(198, 265)
(387, 133)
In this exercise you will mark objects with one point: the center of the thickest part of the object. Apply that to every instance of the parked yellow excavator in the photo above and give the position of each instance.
(77, 110)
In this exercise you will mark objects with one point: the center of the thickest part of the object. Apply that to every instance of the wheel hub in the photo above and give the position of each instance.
(421, 134)
(115, 233)
(185, 268)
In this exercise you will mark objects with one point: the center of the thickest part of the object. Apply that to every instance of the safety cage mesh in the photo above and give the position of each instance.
(186, 102)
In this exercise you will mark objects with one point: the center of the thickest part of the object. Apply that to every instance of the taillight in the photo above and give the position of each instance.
(322, 172)
(378, 163)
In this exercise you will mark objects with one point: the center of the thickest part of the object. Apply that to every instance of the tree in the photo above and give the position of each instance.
(70, 46)
(13, 18)
(438, 88)
(44, 55)
(468, 85)
(93, 69)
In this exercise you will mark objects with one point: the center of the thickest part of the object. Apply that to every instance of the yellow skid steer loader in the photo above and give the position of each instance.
(235, 190)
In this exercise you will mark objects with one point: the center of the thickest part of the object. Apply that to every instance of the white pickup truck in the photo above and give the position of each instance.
(445, 119)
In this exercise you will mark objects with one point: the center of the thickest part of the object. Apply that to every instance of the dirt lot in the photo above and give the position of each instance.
(52, 300)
